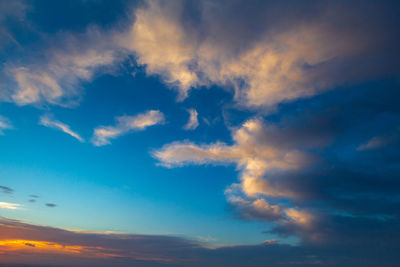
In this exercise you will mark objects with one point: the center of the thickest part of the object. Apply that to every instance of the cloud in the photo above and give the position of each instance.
(4, 124)
(49, 122)
(6, 189)
(193, 122)
(56, 77)
(51, 205)
(23, 243)
(377, 142)
(126, 124)
(329, 185)
(258, 155)
(264, 58)
(267, 59)
(9, 206)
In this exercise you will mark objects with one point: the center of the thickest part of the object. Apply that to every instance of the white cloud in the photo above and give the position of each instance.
(126, 124)
(49, 122)
(9, 206)
(193, 122)
(4, 124)
(256, 153)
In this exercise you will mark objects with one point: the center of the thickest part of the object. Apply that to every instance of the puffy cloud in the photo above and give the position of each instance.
(160, 43)
(193, 122)
(266, 59)
(257, 154)
(9, 206)
(49, 122)
(126, 124)
(4, 124)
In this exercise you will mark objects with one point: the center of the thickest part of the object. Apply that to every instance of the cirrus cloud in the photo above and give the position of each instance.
(126, 124)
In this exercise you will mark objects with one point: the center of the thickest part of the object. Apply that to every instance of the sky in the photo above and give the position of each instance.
(199, 133)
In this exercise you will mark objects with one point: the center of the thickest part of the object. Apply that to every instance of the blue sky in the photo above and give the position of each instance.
(262, 130)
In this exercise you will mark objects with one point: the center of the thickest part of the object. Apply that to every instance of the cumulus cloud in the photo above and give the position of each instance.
(126, 124)
(257, 154)
(4, 124)
(287, 60)
(9, 206)
(49, 122)
(264, 59)
(193, 122)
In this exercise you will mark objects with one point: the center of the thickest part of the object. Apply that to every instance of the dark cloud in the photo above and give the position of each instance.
(148, 250)
(6, 190)
(51, 205)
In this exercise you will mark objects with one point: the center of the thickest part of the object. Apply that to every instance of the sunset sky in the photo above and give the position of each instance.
(199, 133)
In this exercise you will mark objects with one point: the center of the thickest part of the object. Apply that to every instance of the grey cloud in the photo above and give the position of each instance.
(153, 250)
(6, 189)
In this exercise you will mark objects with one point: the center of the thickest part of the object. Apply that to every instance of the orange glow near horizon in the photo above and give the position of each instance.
(51, 248)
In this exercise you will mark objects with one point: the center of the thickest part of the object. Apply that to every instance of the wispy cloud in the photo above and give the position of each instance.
(378, 142)
(9, 206)
(49, 122)
(6, 189)
(57, 78)
(126, 124)
(193, 122)
(4, 124)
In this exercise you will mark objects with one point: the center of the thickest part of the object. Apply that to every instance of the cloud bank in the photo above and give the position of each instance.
(22, 243)
(264, 58)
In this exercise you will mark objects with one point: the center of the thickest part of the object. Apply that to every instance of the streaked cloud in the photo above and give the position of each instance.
(51, 205)
(126, 124)
(6, 189)
(47, 121)
(23, 243)
(9, 206)
(57, 78)
(378, 142)
(5, 124)
(193, 122)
